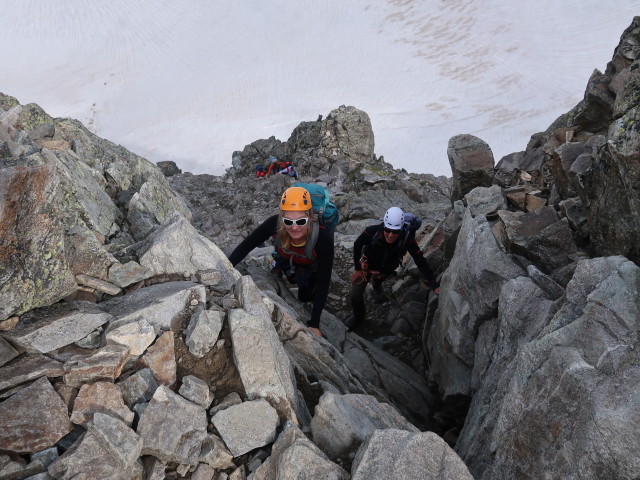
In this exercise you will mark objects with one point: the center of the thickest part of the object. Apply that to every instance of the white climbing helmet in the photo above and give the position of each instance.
(394, 218)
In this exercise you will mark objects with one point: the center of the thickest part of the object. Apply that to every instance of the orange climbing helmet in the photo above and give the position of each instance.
(295, 199)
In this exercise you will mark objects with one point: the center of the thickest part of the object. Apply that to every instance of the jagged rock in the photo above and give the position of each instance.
(35, 272)
(99, 397)
(101, 285)
(486, 201)
(196, 390)
(260, 358)
(172, 428)
(28, 367)
(228, 401)
(87, 254)
(148, 208)
(469, 293)
(161, 359)
(138, 388)
(126, 274)
(162, 305)
(7, 352)
(573, 363)
(89, 458)
(471, 163)
(594, 112)
(168, 168)
(203, 472)
(608, 187)
(342, 422)
(176, 247)
(524, 309)
(215, 453)
(118, 438)
(451, 228)
(382, 372)
(576, 215)
(50, 328)
(388, 452)
(293, 455)
(203, 331)
(540, 236)
(247, 426)
(33, 419)
(137, 336)
(18, 469)
(104, 364)
(154, 468)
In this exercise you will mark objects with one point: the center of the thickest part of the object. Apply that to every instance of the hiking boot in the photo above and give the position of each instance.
(379, 296)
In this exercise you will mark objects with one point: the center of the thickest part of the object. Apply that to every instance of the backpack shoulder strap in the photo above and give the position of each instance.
(313, 238)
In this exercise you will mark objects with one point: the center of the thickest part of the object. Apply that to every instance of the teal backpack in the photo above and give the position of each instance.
(327, 212)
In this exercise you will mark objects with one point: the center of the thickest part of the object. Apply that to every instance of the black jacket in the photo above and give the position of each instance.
(385, 257)
(323, 251)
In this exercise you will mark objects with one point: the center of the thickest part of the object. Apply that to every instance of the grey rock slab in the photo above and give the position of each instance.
(216, 454)
(117, 437)
(139, 387)
(46, 456)
(88, 458)
(391, 454)
(177, 247)
(105, 364)
(99, 397)
(293, 455)
(203, 472)
(128, 273)
(231, 399)
(7, 352)
(486, 200)
(196, 390)
(137, 335)
(203, 331)
(100, 285)
(33, 419)
(471, 161)
(469, 293)
(38, 273)
(161, 304)
(260, 357)
(161, 359)
(49, 328)
(342, 422)
(247, 426)
(28, 367)
(172, 428)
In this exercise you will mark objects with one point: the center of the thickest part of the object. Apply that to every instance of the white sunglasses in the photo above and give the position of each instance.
(299, 222)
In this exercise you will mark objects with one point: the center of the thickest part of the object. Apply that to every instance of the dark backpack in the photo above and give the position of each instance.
(412, 222)
(326, 211)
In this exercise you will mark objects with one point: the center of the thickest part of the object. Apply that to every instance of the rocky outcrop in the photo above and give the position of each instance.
(471, 161)
(65, 214)
(155, 352)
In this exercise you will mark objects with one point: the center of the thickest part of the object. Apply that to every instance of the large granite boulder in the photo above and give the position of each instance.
(472, 163)
(562, 374)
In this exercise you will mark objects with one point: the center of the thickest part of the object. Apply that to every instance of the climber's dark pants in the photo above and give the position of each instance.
(357, 297)
(306, 281)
